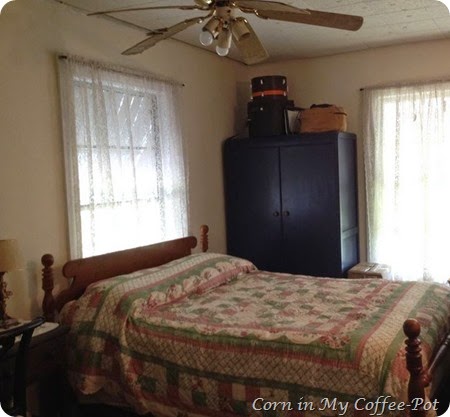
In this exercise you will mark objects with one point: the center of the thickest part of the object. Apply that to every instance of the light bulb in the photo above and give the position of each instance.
(223, 42)
(222, 51)
(206, 38)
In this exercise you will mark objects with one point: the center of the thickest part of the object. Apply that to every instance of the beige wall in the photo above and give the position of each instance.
(337, 79)
(32, 33)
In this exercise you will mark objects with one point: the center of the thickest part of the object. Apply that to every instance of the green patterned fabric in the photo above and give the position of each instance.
(209, 334)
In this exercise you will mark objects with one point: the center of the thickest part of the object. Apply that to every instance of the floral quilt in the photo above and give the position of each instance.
(210, 335)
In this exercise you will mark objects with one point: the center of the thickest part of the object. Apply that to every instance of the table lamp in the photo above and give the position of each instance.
(9, 261)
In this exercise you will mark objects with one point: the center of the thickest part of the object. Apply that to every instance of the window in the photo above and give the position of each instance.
(126, 183)
(407, 151)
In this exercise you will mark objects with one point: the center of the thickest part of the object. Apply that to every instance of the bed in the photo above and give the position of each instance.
(168, 333)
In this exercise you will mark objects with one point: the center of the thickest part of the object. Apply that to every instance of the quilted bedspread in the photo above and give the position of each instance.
(209, 335)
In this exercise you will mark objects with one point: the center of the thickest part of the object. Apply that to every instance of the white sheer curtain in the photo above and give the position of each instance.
(407, 161)
(125, 169)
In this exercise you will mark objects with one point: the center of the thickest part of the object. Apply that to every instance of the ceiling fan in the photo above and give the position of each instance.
(224, 27)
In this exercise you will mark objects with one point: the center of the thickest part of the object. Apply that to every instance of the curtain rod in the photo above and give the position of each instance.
(133, 71)
(407, 84)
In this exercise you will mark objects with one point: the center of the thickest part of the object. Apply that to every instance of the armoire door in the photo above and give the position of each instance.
(310, 209)
(252, 184)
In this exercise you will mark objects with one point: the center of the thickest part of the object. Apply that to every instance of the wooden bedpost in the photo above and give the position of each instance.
(418, 380)
(48, 303)
(204, 229)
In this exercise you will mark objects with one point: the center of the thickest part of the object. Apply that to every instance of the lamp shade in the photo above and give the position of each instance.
(9, 255)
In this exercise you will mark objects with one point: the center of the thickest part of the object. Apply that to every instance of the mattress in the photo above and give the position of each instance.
(211, 335)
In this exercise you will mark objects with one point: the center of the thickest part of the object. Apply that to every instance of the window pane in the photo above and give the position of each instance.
(126, 188)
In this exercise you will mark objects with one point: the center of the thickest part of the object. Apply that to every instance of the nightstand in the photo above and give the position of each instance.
(45, 368)
(369, 270)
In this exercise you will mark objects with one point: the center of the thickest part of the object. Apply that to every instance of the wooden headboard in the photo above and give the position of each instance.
(85, 271)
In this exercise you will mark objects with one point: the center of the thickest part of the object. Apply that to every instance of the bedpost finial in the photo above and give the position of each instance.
(419, 378)
(48, 302)
(47, 260)
(411, 327)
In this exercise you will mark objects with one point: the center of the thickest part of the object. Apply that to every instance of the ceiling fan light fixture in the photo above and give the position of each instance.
(224, 42)
(210, 31)
(239, 28)
(203, 3)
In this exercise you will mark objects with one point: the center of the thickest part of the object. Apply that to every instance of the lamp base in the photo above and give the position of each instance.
(8, 322)
(5, 321)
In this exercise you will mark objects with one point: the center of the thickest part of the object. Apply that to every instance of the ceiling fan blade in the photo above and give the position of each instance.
(135, 9)
(258, 5)
(161, 34)
(250, 47)
(314, 17)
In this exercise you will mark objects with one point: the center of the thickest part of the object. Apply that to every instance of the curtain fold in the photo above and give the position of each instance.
(406, 156)
(125, 169)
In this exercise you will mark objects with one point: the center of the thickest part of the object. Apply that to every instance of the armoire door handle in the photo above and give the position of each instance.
(286, 213)
(276, 214)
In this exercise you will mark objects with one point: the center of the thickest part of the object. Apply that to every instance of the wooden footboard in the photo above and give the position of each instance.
(420, 377)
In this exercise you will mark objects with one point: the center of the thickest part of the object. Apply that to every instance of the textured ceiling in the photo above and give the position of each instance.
(386, 22)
